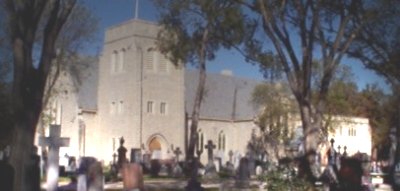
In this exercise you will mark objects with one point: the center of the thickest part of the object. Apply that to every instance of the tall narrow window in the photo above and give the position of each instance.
(163, 108)
(221, 141)
(149, 60)
(121, 60)
(162, 63)
(113, 64)
(352, 132)
(200, 140)
(149, 107)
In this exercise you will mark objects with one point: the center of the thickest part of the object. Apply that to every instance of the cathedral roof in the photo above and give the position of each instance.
(226, 97)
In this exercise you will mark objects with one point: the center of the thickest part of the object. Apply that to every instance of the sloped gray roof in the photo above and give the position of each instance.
(226, 97)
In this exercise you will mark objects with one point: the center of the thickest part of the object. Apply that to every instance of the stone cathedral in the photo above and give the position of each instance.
(133, 91)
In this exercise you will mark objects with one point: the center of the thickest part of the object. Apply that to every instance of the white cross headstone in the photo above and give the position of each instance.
(54, 142)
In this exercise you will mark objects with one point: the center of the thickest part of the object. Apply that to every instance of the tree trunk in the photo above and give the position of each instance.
(22, 144)
(196, 113)
(396, 157)
(199, 96)
(311, 128)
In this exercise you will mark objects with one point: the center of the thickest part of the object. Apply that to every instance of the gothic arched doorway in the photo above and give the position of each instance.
(157, 145)
(154, 144)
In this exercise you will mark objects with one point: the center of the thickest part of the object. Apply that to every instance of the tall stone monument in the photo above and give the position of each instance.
(54, 142)
(210, 170)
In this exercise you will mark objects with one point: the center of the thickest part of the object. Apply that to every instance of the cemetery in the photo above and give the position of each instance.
(345, 172)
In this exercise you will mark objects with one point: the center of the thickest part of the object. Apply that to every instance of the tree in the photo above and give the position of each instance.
(301, 32)
(6, 119)
(377, 48)
(78, 32)
(377, 44)
(30, 75)
(192, 31)
(277, 110)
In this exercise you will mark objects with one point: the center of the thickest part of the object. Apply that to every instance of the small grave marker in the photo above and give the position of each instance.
(230, 153)
(210, 170)
(210, 147)
(132, 176)
(121, 153)
(177, 152)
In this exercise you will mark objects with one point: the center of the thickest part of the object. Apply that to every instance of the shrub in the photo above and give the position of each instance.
(284, 179)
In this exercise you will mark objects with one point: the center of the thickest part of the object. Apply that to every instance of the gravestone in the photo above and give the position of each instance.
(6, 173)
(332, 154)
(155, 167)
(177, 171)
(136, 155)
(113, 169)
(71, 164)
(218, 164)
(33, 171)
(243, 174)
(230, 169)
(164, 170)
(210, 147)
(83, 172)
(236, 159)
(230, 154)
(345, 151)
(121, 153)
(146, 162)
(95, 177)
(252, 162)
(259, 170)
(114, 156)
(132, 176)
(177, 152)
(54, 142)
(210, 170)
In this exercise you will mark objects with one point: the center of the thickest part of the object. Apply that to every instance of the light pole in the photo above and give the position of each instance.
(141, 97)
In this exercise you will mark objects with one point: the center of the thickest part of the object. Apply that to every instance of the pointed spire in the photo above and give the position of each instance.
(137, 9)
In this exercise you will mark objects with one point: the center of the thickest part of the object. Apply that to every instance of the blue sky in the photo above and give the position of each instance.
(112, 12)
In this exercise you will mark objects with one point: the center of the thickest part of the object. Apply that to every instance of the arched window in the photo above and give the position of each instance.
(221, 141)
(200, 140)
(113, 64)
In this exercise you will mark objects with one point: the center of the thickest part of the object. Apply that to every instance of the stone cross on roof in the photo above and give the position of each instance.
(54, 142)
(210, 146)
